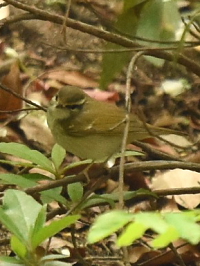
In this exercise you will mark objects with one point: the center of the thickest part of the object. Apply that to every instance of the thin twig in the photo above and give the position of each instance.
(151, 133)
(155, 153)
(68, 4)
(120, 50)
(153, 260)
(21, 97)
(126, 129)
(178, 256)
(18, 110)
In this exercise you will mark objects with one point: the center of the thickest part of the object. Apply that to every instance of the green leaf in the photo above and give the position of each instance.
(132, 232)
(129, 194)
(152, 221)
(56, 263)
(185, 224)
(53, 228)
(128, 153)
(10, 261)
(50, 260)
(166, 238)
(19, 213)
(58, 155)
(112, 198)
(23, 181)
(156, 23)
(95, 200)
(53, 257)
(22, 151)
(40, 221)
(169, 226)
(127, 24)
(53, 195)
(75, 191)
(18, 247)
(10, 224)
(18, 180)
(22, 164)
(112, 63)
(196, 214)
(108, 223)
(76, 164)
(36, 177)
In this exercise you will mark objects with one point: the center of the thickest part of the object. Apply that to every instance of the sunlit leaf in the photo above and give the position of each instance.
(132, 232)
(53, 228)
(75, 191)
(57, 155)
(108, 223)
(22, 151)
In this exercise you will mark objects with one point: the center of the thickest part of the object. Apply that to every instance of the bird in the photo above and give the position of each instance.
(92, 129)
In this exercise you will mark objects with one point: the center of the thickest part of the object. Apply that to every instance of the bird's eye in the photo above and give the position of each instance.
(74, 106)
(56, 97)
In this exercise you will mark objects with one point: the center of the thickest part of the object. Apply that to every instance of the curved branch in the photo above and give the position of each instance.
(143, 166)
(105, 35)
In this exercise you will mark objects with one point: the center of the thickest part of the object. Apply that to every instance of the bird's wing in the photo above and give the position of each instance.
(112, 122)
(96, 122)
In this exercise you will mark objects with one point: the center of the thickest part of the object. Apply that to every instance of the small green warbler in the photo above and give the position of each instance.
(91, 129)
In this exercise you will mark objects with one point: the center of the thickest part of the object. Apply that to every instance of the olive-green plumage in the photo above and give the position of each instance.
(91, 129)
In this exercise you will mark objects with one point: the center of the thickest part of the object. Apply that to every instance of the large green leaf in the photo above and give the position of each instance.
(10, 261)
(22, 151)
(108, 223)
(127, 23)
(163, 240)
(75, 191)
(19, 214)
(23, 181)
(53, 228)
(10, 224)
(57, 263)
(185, 225)
(40, 220)
(132, 232)
(18, 247)
(168, 226)
(53, 194)
(156, 24)
(57, 155)
(152, 220)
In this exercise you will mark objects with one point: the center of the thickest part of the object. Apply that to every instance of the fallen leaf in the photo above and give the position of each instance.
(100, 95)
(74, 78)
(35, 129)
(179, 178)
(9, 102)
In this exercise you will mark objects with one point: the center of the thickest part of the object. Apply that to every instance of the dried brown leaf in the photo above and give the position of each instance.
(179, 178)
(8, 102)
(74, 78)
